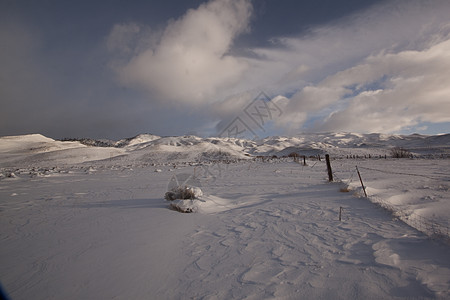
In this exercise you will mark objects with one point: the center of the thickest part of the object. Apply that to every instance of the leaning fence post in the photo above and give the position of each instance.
(330, 172)
(362, 184)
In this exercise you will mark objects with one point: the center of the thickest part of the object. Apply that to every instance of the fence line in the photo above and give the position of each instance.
(408, 174)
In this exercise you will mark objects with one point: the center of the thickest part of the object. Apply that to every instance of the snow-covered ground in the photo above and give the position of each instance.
(83, 222)
(415, 190)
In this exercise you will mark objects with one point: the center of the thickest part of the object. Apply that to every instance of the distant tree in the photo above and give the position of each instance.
(294, 155)
(399, 152)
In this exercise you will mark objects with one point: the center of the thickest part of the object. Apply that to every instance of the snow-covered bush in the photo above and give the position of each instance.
(183, 199)
(7, 174)
(182, 193)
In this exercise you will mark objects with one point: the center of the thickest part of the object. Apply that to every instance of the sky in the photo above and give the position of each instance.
(115, 69)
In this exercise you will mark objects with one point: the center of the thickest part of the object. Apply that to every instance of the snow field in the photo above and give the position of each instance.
(291, 245)
(83, 236)
(264, 231)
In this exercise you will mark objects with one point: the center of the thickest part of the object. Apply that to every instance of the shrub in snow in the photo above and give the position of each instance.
(183, 193)
(10, 174)
(184, 206)
(183, 199)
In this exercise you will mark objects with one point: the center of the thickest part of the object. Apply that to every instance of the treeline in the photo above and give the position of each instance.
(93, 142)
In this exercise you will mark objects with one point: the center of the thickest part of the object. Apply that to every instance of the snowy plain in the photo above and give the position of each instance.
(81, 222)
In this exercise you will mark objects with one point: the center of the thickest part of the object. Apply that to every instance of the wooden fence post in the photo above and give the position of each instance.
(330, 172)
(362, 184)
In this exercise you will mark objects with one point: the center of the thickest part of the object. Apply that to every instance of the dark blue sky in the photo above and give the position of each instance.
(118, 68)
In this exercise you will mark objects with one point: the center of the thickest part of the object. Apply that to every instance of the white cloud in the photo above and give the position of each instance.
(382, 69)
(412, 87)
(189, 62)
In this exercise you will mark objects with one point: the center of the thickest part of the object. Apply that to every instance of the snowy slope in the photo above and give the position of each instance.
(37, 150)
(185, 148)
(34, 143)
(139, 139)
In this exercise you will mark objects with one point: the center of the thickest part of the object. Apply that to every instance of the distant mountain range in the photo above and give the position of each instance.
(36, 148)
(306, 144)
(339, 139)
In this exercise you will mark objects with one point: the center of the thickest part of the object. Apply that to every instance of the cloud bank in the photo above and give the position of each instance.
(379, 70)
(385, 93)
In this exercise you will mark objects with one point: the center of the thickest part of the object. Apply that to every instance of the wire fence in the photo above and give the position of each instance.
(431, 227)
(408, 174)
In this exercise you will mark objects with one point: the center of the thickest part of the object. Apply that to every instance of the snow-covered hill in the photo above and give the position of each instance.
(36, 150)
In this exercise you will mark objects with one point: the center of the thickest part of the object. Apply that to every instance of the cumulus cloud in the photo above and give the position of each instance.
(413, 87)
(382, 70)
(189, 61)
